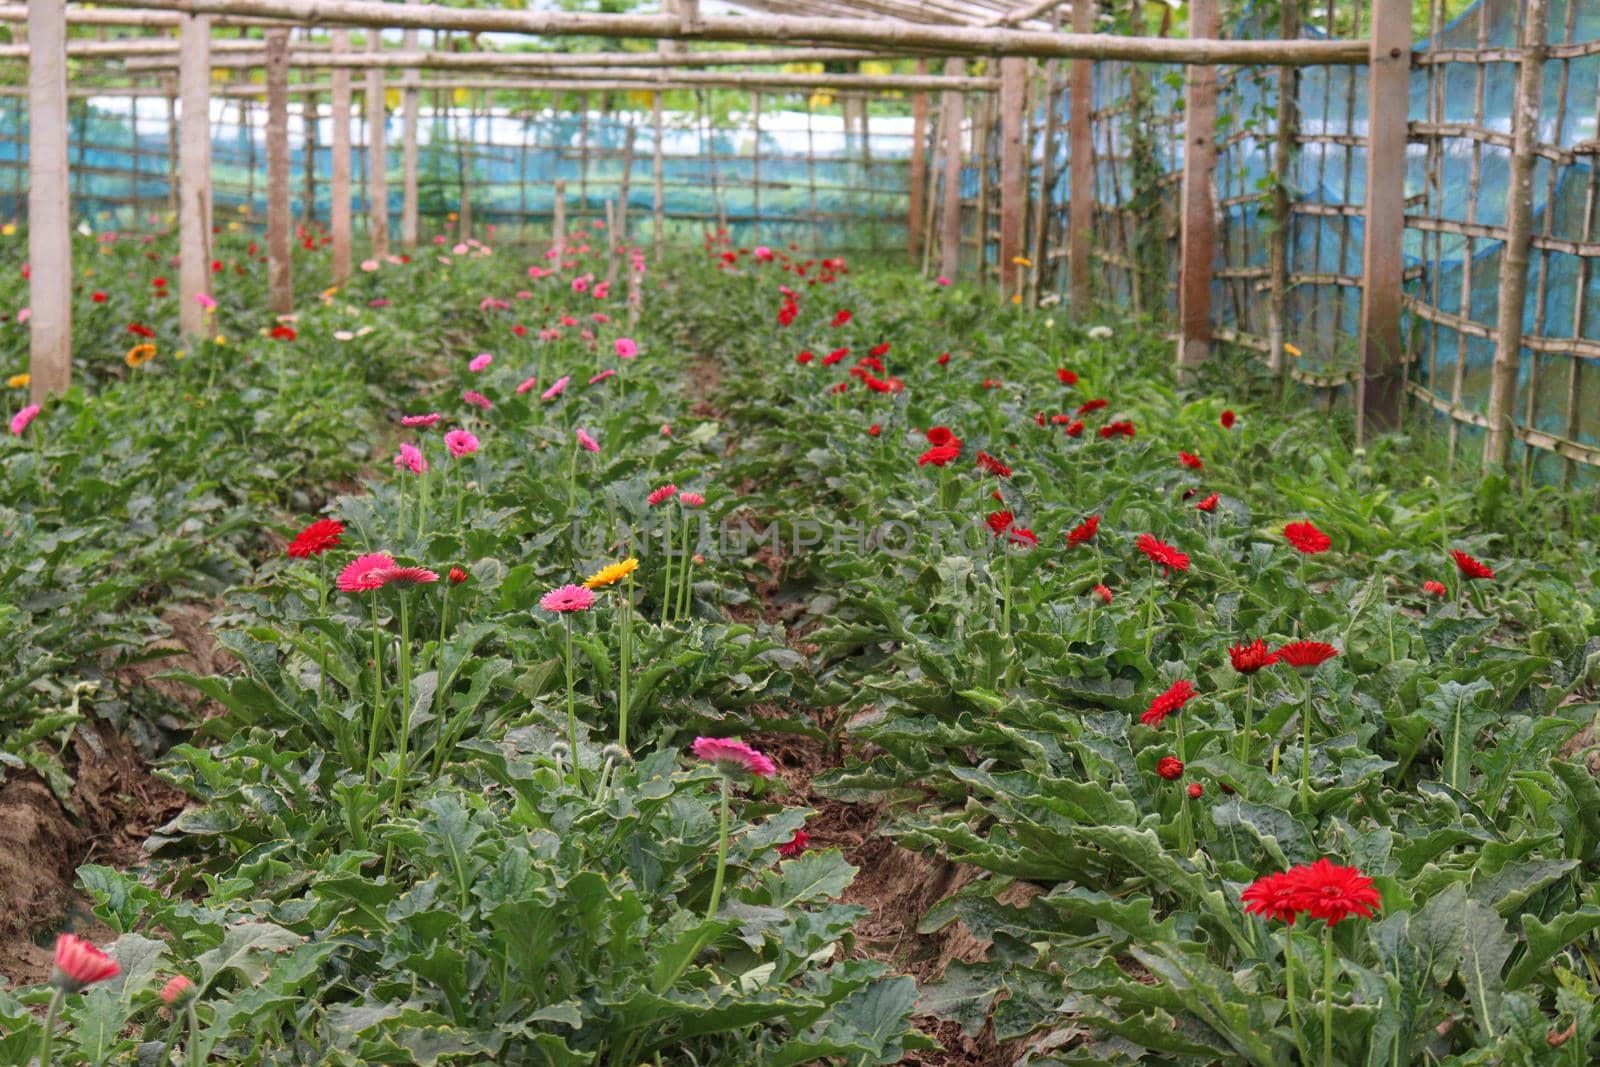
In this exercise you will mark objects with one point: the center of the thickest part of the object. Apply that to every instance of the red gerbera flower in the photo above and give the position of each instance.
(316, 539)
(1300, 654)
(1435, 588)
(1084, 532)
(1170, 768)
(1227, 419)
(1272, 896)
(938, 455)
(1066, 377)
(1000, 521)
(993, 466)
(835, 356)
(1307, 538)
(282, 333)
(804, 357)
(944, 357)
(880, 349)
(796, 845)
(874, 430)
(1161, 553)
(1021, 536)
(139, 330)
(1324, 890)
(841, 317)
(1075, 428)
(1196, 790)
(1167, 703)
(1190, 460)
(940, 437)
(1208, 504)
(1114, 429)
(1249, 658)
(1092, 405)
(457, 576)
(1469, 567)
(1103, 593)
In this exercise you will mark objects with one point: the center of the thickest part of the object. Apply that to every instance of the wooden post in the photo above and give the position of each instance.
(1042, 272)
(194, 175)
(1080, 175)
(340, 212)
(171, 87)
(635, 288)
(1197, 247)
(49, 228)
(558, 225)
(279, 277)
(377, 154)
(1282, 150)
(308, 121)
(409, 212)
(755, 162)
(1519, 234)
(657, 178)
(1013, 84)
(1380, 388)
(950, 232)
(919, 169)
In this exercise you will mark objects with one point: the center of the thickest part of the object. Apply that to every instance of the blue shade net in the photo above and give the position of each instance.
(819, 186)
(1452, 176)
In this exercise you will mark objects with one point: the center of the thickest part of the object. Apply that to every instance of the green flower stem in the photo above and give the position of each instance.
(378, 707)
(722, 853)
(572, 712)
(1249, 718)
(405, 696)
(194, 1057)
(322, 613)
(1150, 614)
(666, 591)
(572, 481)
(1288, 979)
(626, 664)
(56, 1000)
(422, 506)
(1327, 996)
(685, 585)
(1185, 824)
(1305, 751)
(1005, 604)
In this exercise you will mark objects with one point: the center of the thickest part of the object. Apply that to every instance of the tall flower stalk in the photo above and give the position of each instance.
(604, 578)
(731, 758)
(77, 964)
(567, 601)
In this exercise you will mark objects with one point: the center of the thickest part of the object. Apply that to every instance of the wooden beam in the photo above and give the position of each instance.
(1381, 387)
(194, 177)
(410, 213)
(1080, 167)
(49, 223)
(919, 168)
(1013, 87)
(339, 215)
(950, 231)
(1525, 118)
(377, 156)
(280, 277)
(1197, 250)
(875, 33)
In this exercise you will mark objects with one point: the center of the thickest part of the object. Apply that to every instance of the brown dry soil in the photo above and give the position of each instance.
(115, 804)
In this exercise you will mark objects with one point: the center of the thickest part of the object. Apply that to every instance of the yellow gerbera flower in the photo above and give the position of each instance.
(139, 355)
(611, 573)
(1291, 349)
(19, 381)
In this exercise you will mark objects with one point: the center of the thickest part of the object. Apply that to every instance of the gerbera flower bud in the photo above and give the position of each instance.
(796, 845)
(1434, 588)
(1170, 768)
(78, 964)
(457, 576)
(1195, 790)
(176, 990)
(1251, 657)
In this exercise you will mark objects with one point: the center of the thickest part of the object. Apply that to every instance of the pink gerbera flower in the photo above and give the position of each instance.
(587, 441)
(627, 348)
(411, 459)
(461, 443)
(602, 376)
(20, 421)
(476, 399)
(691, 500)
(661, 495)
(397, 573)
(420, 420)
(556, 389)
(734, 756)
(526, 384)
(480, 362)
(362, 574)
(568, 598)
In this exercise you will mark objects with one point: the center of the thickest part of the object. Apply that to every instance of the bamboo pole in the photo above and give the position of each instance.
(1198, 241)
(308, 116)
(1080, 174)
(880, 33)
(930, 202)
(583, 155)
(657, 178)
(1519, 235)
(1039, 245)
(1013, 78)
(49, 222)
(340, 212)
(755, 159)
(558, 238)
(194, 178)
(377, 155)
(1381, 387)
(1288, 125)
(617, 234)
(919, 168)
(170, 91)
(280, 283)
(950, 233)
(410, 109)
